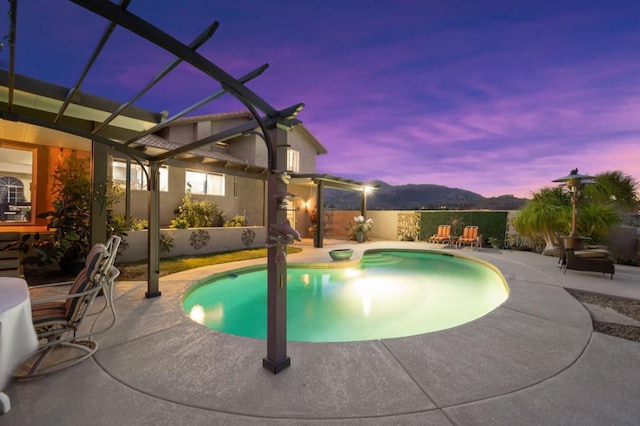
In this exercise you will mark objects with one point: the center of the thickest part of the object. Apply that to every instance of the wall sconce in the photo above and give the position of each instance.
(304, 205)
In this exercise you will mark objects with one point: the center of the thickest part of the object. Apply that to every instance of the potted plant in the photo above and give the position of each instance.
(313, 229)
(361, 228)
(68, 220)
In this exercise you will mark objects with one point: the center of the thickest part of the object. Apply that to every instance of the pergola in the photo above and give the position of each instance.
(26, 104)
(324, 181)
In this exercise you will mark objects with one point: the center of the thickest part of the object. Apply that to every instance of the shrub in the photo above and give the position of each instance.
(199, 214)
(179, 223)
(238, 220)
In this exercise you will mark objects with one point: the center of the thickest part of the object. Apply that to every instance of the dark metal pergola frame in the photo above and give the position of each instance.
(324, 181)
(273, 125)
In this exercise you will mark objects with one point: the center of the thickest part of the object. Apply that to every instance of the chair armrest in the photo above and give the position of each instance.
(51, 285)
(63, 297)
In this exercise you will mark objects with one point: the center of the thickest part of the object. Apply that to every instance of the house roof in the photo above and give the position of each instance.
(156, 144)
(329, 181)
(320, 149)
(31, 116)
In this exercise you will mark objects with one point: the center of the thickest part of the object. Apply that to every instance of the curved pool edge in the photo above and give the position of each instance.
(331, 367)
(363, 335)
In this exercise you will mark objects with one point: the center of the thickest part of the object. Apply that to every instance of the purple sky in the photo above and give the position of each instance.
(497, 97)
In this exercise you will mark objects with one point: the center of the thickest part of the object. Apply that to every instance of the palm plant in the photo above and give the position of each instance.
(614, 188)
(549, 212)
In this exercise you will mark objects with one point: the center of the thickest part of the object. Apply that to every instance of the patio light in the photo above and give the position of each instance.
(575, 182)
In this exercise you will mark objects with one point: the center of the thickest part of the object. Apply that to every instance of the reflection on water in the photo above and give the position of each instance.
(197, 314)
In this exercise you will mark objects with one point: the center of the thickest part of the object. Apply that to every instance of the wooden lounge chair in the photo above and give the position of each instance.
(590, 260)
(58, 320)
(469, 237)
(442, 237)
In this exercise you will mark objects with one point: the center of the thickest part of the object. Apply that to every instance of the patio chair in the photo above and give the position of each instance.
(57, 320)
(442, 237)
(590, 260)
(470, 237)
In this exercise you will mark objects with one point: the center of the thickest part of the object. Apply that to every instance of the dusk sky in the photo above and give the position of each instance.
(496, 97)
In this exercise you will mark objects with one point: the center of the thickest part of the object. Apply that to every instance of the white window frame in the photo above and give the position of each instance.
(293, 160)
(204, 183)
(138, 176)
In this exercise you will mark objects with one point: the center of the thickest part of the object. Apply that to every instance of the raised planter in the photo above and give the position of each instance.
(341, 254)
(195, 241)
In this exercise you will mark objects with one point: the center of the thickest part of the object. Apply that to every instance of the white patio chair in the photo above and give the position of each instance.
(57, 320)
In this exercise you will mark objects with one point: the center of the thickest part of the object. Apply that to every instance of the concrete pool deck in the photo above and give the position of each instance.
(533, 360)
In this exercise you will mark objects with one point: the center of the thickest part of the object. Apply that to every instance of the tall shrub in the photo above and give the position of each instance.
(199, 214)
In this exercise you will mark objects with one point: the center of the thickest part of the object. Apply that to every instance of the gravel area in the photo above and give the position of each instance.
(628, 307)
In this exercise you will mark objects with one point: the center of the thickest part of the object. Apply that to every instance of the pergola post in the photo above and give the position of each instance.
(153, 241)
(99, 182)
(363, 202)
(276, 359)
(320, 214)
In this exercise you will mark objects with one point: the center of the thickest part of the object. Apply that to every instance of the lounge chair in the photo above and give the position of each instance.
(442, 237)
(58, 320)
(591, 260)
(469, 237)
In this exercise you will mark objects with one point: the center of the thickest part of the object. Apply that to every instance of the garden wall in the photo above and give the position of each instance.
(194, 241)
(408, 225)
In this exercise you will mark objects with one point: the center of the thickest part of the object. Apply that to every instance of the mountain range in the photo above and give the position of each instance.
(419, 197)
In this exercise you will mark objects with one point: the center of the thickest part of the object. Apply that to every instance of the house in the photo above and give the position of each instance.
(229, 173)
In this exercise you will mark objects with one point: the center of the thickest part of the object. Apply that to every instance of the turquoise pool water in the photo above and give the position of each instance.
(389, 294)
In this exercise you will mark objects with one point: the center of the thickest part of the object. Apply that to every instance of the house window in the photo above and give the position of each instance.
(138, 176)
(16, 179)
(235, 187)
(13, 190)
(204, 183)
(293, 160)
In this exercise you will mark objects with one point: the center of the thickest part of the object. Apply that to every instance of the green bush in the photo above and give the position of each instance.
(139, 224)
(199, 214)
(238, 220)
(179, 223)
(491, 223)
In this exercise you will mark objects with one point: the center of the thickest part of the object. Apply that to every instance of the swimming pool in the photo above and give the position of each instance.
(390, 293)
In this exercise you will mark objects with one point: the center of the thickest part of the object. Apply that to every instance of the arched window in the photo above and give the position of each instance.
(13, 190)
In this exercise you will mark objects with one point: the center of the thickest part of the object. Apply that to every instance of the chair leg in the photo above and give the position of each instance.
(39, 368)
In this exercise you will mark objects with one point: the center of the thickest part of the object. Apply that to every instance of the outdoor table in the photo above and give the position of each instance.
(17, 335)
(575, 243)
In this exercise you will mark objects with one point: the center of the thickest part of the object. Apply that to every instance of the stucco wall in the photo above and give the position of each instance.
(248, 202)
(192, 242)
(385, 223)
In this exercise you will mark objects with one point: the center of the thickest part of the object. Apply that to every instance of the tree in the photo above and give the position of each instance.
(548, 212)
(614, 188)
(599, 209)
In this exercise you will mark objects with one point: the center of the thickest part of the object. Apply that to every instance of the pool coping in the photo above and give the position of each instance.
(534, 359)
